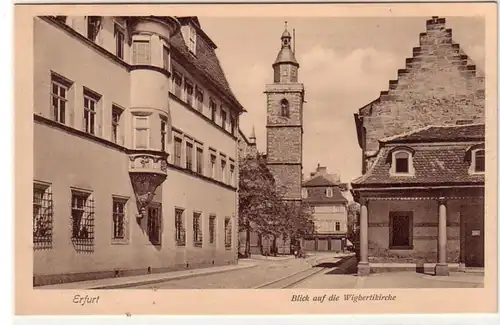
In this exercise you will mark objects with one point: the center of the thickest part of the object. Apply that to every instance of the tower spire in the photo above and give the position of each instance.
(252, 137)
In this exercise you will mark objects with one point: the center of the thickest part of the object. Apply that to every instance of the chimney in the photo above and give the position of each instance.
(321, 170)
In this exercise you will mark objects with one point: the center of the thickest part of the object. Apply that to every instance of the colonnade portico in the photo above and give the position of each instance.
(442, 201)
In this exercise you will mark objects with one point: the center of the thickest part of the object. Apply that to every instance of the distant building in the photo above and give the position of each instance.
(322, 192)
(135, 148)
(246, 146)
(422, 185)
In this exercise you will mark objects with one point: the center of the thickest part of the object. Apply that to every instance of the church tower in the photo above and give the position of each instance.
(285, 99)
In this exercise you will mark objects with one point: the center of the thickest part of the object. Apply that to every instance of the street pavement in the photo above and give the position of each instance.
(338, 272)
(266, 270)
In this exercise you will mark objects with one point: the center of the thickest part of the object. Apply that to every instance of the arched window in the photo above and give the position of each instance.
(285, 111)
(304, 193)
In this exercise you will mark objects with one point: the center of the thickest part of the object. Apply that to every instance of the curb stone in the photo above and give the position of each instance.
(167, 277)
(172, 278)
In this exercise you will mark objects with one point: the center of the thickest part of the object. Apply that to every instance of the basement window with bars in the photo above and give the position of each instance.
(180, 232)
(211, 228)
(154, 224)
(228, 233)
(119, 221)
(197, 230)
(43, 215)
(82, 221)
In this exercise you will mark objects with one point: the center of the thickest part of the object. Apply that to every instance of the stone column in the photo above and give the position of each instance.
(461, 265)
(442, 266)
(363, 265)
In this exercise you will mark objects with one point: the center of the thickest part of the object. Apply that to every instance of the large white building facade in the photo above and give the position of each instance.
(135, 148)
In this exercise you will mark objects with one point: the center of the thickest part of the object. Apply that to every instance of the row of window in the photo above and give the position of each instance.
(326, 224)
(141, 55)
(328, 192)
(61, 93)
(141, 49)
(194, 158)
(82, 221)
(194, 97)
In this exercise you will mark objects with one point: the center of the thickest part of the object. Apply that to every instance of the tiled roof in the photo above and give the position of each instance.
(433, 164)
(319, 181)
(432, 133)
(317, 195)
(207, 63)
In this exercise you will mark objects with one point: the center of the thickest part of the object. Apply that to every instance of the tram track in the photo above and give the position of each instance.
(294, 279)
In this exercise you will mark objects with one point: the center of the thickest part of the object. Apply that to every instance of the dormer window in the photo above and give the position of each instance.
(478, 161)
(475, 156)
(192, 40)
(402, 162)
(304, 193)
(329, 192)
(285, 111)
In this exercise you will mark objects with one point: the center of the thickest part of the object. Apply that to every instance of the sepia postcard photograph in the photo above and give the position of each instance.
(256, 158)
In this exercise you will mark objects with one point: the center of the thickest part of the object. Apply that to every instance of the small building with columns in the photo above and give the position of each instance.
(416, 176)
(422, 200)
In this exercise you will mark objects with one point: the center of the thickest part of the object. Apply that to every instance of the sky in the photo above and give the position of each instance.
(344, 64)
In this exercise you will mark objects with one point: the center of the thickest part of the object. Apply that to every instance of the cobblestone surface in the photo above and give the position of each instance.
(264, 272)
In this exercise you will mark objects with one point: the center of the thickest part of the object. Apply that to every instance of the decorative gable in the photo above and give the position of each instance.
(439, 85)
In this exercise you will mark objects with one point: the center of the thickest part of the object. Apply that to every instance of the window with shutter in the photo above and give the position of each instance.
(141, 52)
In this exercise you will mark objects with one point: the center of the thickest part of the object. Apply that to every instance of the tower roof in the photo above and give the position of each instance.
(252, 135)
(286, 54)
